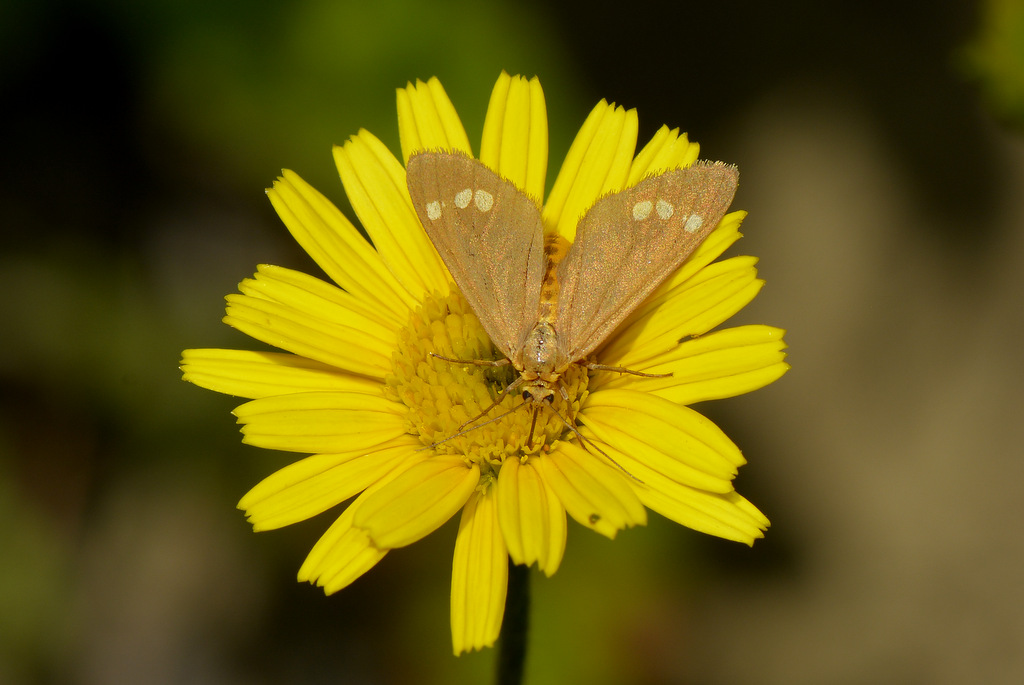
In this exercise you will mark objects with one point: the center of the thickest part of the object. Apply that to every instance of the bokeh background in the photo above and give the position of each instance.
(883, 168)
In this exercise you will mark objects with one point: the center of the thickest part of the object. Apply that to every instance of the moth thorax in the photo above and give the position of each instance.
(539, 357)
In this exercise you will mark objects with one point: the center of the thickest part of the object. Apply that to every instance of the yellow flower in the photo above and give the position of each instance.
(358, 388)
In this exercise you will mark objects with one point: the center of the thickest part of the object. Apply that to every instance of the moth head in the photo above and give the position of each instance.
(539, 392)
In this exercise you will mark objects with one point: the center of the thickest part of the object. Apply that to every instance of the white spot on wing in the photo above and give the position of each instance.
(483, 200)
(434, 210)
(641, 210)
(463, 197)
(693, 223)
(664, 209)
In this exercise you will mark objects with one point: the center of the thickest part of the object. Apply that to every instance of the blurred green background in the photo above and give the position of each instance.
(882, 165)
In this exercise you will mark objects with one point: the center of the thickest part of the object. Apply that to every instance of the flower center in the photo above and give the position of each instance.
(443, 395)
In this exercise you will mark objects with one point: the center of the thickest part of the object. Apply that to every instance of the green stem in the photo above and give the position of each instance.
(512, 647)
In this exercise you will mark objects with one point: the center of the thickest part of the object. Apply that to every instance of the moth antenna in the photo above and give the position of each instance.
(470, 430)
(475, 362)
(497, 400)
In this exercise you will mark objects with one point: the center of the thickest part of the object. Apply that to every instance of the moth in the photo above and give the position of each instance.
(543, 307)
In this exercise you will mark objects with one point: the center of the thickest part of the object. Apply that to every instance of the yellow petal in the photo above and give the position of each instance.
(479, 575)
(306, 334)
(246, 373)
(427, 120)
(532, 517)
(598, 163)
(418, 501)
(675, 440)
(313, 485)
(719, 388)
(375, 184)
(335, 244)
(327, 302)
(703, 443)
(515, 139)
(695, 307)
(597, 495)
(721, 364)
(726, 515)
(346, 554)
(326, 422)
(666, 150)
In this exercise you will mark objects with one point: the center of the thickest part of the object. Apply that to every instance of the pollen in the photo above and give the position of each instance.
(442, 395)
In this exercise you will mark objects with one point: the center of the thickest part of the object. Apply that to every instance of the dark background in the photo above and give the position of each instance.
(882, 165)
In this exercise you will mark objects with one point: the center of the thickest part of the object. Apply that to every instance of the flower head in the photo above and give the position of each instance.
(358, 386)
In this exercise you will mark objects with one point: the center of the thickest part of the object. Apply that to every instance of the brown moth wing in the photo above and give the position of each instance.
(493, 244)
(631, 241)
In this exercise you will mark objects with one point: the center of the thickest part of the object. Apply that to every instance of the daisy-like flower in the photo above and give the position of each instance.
(356, 385)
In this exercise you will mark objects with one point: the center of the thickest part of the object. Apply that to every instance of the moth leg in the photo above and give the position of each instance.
(533, 425)
(620, 369)
(568, 405)
(584, 440)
